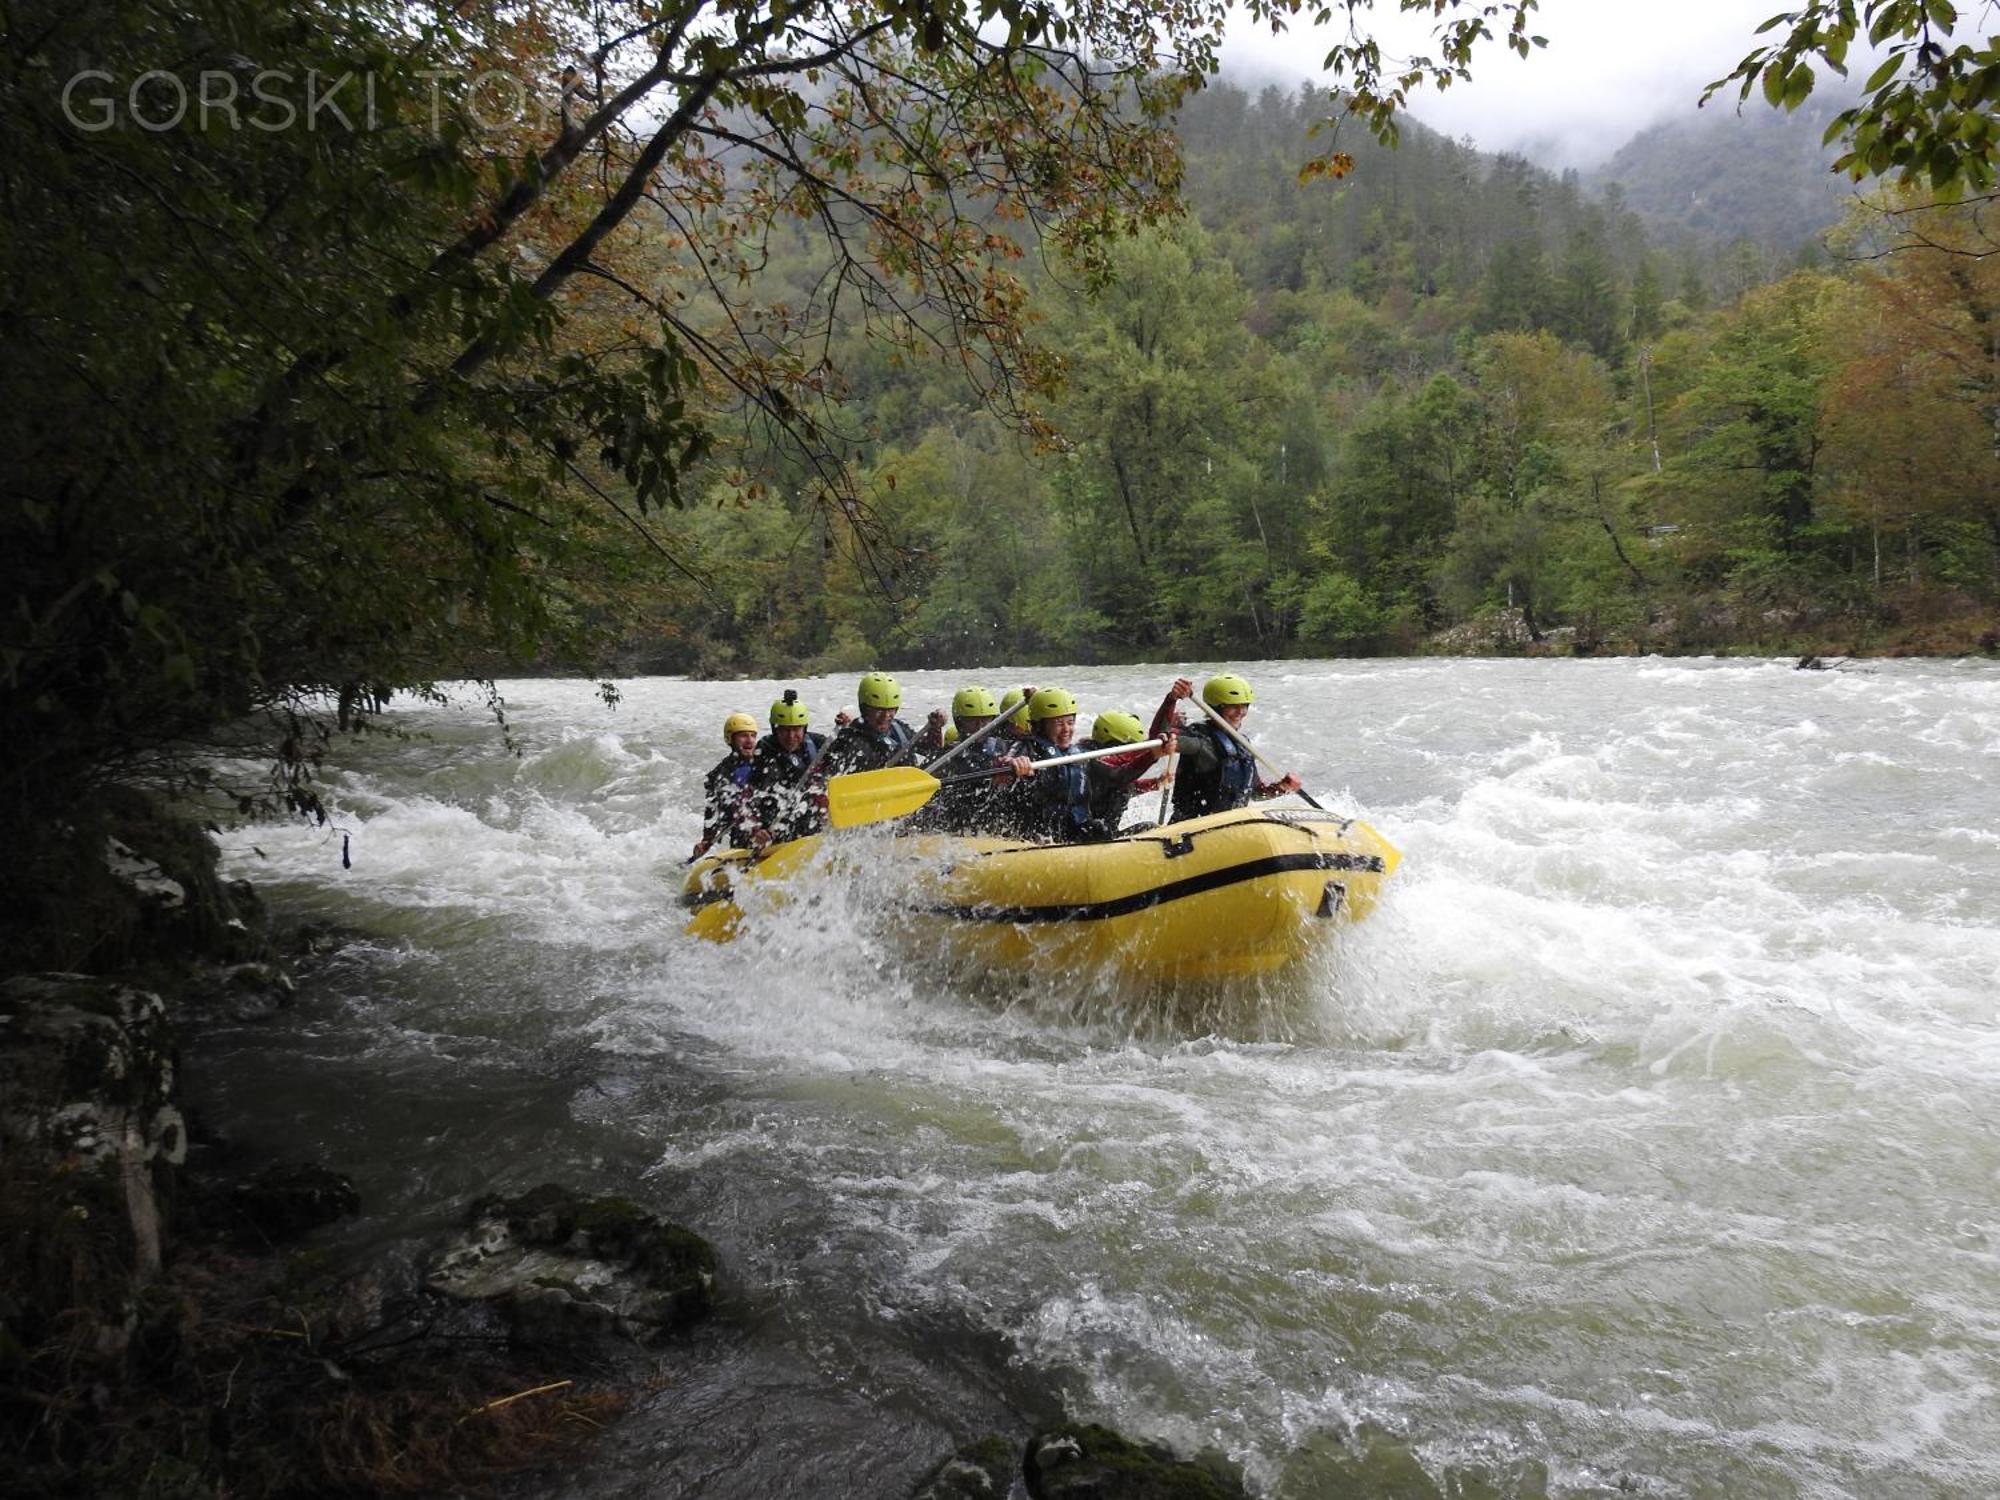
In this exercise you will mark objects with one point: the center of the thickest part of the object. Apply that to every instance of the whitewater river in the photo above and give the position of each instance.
(1645, 1140)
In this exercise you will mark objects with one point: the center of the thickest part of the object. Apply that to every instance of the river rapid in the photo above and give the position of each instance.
(1645, 1140)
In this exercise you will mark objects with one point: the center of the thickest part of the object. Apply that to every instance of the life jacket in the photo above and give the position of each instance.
(728, 814)
(1058, 799)
(1111, 783)
(783, 801)
(859, 748)
(1225, 788)
(778, 766)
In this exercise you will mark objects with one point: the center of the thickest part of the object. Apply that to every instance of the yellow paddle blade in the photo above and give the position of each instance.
(871, 796)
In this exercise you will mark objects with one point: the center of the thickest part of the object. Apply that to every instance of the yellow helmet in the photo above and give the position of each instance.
(1115, 728)
(1050, 703)
(788, 712)
(1015, 706)
(973, 703)
(880, 690)
(1218, 692)
(734, 725)
(951, 734)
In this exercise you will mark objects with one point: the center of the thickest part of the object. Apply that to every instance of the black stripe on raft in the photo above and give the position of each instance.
(1194, 885)
(1178, 839)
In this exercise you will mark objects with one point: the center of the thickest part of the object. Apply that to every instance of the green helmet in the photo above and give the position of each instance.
(1050, 703)
(1115, 728)
(1015, 706)
(973, 703)
(1219, 692)
(880, 690)
(788, 712)
(951, 734)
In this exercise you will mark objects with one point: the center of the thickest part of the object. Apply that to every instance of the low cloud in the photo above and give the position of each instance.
(1609, 71)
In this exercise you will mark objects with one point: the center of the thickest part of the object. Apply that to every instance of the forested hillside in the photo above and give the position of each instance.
(1449, 402)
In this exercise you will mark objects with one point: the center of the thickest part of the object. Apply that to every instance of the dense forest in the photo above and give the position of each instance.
(1451, 402)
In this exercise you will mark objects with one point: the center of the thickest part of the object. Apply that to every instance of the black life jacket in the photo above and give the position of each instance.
(1057, 801)
(777, 766)
(783, 801)
(728, 813)
(859, 748)
(1110, 788)
(1225, 788)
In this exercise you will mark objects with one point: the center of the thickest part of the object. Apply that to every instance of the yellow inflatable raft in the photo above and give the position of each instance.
(1230, 895)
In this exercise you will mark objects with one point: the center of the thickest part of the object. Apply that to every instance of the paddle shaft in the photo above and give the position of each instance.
(1230, 729)
(1054, 760)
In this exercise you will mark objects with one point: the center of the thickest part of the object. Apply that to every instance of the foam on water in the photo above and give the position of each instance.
(1643, 1136)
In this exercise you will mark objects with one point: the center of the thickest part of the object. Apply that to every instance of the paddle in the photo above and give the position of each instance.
(893, 791)
(1230, 729)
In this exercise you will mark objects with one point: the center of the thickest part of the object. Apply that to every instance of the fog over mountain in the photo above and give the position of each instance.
(1609, 71)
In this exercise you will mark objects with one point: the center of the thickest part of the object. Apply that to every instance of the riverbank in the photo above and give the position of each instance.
(1917, 624)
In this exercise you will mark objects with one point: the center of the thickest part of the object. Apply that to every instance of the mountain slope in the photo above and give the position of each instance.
(1719, 176)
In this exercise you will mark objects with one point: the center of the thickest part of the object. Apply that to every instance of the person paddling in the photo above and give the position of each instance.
(784, 805)
(1056, 805)
(1216, 773)
(727, 817)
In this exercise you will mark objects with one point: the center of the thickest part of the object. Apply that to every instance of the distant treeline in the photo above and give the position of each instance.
(1452, 400)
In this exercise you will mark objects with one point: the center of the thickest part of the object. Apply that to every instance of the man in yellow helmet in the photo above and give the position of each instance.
(1216, 774)
(876, 738)
(727, 816)
(783, 790)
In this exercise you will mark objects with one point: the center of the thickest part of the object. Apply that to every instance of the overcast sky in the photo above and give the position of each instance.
(1611, 68)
